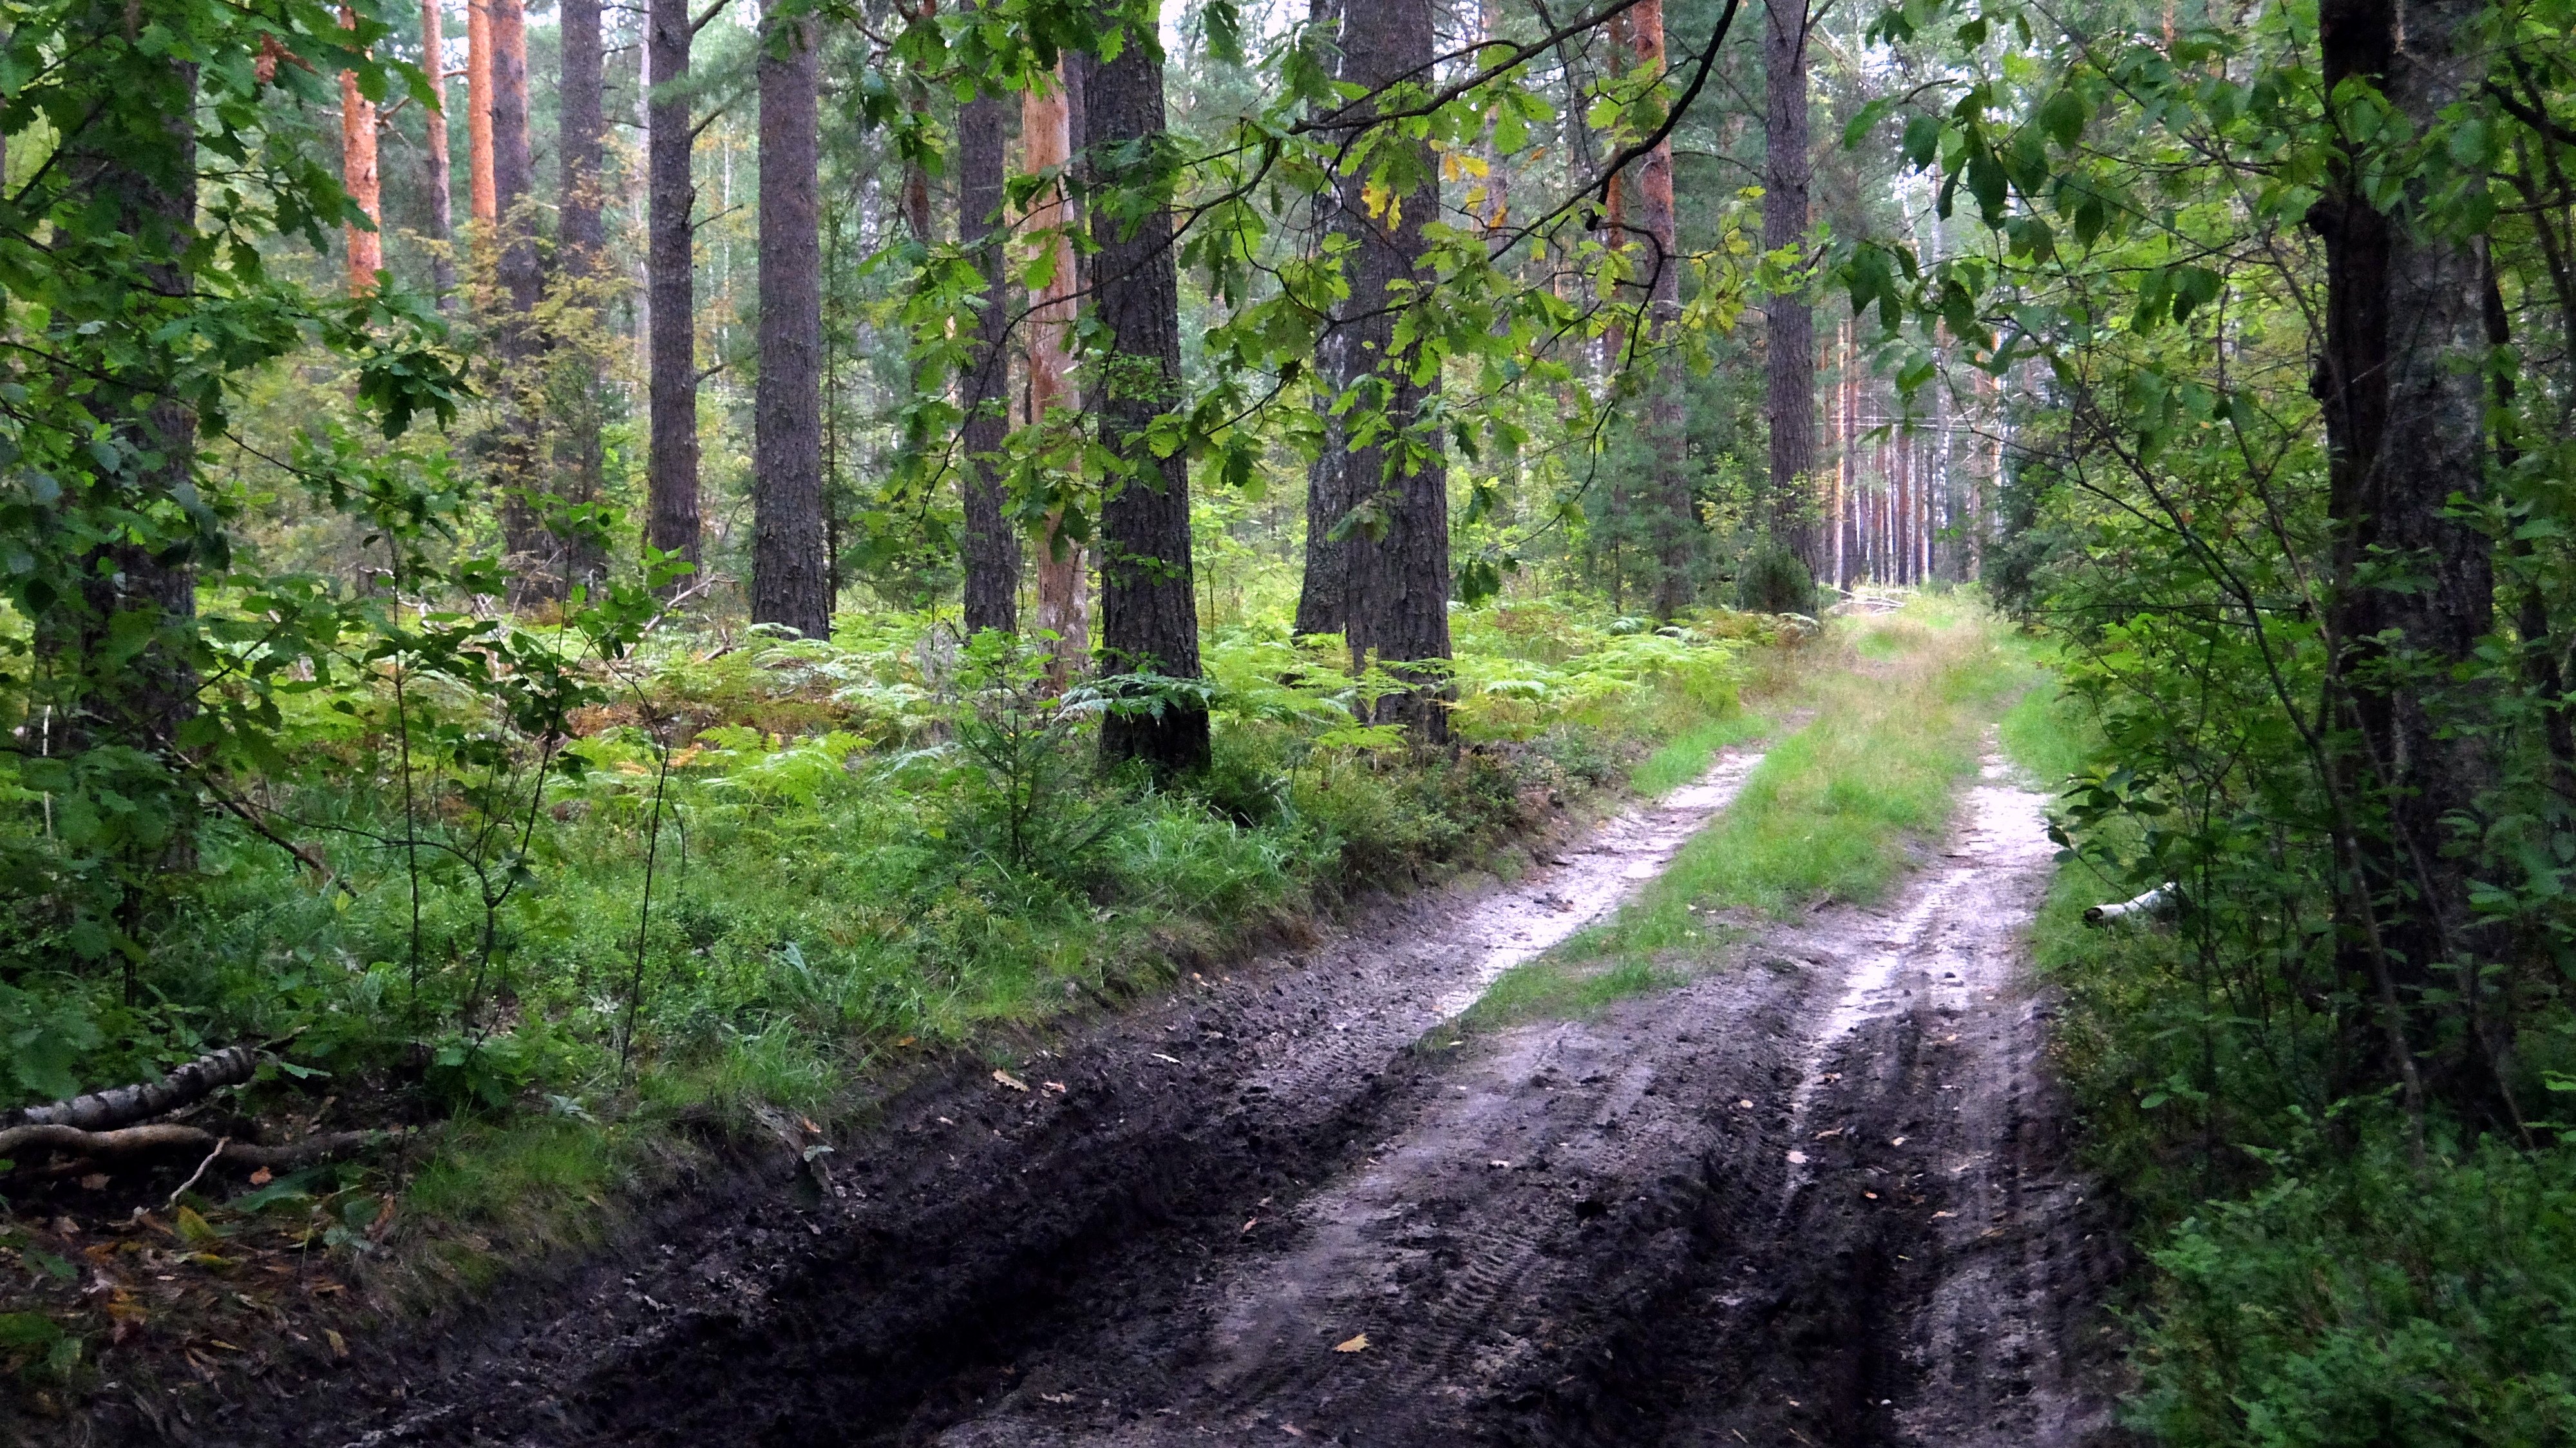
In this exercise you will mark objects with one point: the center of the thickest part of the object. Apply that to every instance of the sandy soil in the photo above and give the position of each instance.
(1818, 1196)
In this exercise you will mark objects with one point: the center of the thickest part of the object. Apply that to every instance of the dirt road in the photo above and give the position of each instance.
(1816, 1196)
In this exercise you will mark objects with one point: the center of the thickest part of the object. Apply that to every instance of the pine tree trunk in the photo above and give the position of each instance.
(992, 546)
(436, 165)
(481, 197)
(1789, 324)
(1676, 521)
(1148, 617)
(1046, 142)
(358, 176)
(139, 701)
(1394, 557)
(535, 554)
(671, 478)
(1323, 596)
(582, 247)
(2405, 411)
(790, 575)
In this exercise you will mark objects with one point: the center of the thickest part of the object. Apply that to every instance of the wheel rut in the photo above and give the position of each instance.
(1816, 1197)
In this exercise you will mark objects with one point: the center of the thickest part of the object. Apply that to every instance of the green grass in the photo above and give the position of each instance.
(1901, 704)
(1687, 756)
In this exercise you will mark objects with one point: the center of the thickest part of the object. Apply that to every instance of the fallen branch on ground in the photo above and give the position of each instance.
(2160, 901)
(135, 1140)
(101, 1110)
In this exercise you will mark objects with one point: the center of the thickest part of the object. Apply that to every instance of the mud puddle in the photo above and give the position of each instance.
(900, 1287)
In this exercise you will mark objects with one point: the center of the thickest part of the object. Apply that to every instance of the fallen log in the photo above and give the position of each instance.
(2160, 901)
(124, 1105)
(135, 1140)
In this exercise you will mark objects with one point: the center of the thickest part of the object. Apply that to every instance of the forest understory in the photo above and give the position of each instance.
(1811, 1180)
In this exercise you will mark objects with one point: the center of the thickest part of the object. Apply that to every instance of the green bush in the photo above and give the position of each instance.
(1771, 579)
(2371, 1304)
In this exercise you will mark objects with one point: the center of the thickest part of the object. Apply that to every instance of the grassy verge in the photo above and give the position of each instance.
(847, 882)
(1900, 706)
(2305, 1282)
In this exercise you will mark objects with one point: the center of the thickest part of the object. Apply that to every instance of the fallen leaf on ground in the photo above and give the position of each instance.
(262, 1177)
(95, 1182)
(1007, 1079)
(1159, 1056)
(1936, 1216)
(1249, 1225)
(1055, 1397)
(1743, 1105)
(1873, 1196)
(1797, 1158)
(1500, 1163)
(339, 1344)
(1356, 1344)
(1899, 1141)
(1055, 1086)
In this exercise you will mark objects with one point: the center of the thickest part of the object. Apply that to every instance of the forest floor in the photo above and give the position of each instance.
(1816, 1192)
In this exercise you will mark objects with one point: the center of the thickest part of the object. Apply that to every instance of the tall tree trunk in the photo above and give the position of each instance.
(358, 176)
(536, 562)
(1390, 498)
(992, 546)
(1789, 324)
(1046, 143)
(671, 475)
(791, 581)
(1676, 520)
(138, 698)
(1148, 620)
(2405, 410)
(916, 176)
(581, 246)
(481, 194)
(442, 215)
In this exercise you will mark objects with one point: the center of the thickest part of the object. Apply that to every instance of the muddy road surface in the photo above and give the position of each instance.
(1817, 1196)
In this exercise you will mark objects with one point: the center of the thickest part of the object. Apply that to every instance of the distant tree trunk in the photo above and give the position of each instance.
(1846, 476)
(535, 555)
(2405, 411)
(791, 580)
(442, 217)
(1148, 618)
(1667, 422)
(916, 176)
(992, 546)
(358, 176)
(671, 477)
(1789, 324)
(1046, 141)
(1323, 597)
(582, 246)
(482, 196)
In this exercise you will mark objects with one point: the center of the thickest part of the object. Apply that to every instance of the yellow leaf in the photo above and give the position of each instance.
(339, 1344)
(1007, 1079)
(194, 1229)
(1356, 1344)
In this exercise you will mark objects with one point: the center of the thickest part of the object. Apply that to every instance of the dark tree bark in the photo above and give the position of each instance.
(992, 546)
(2413, 587)
(1789, 324)
(582, 248)
(1148, 618)
(791, 578)
(139, 701)
(671, 481)
(1676, 517)
(436, 166)
(535, 554)
(1385, 583)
